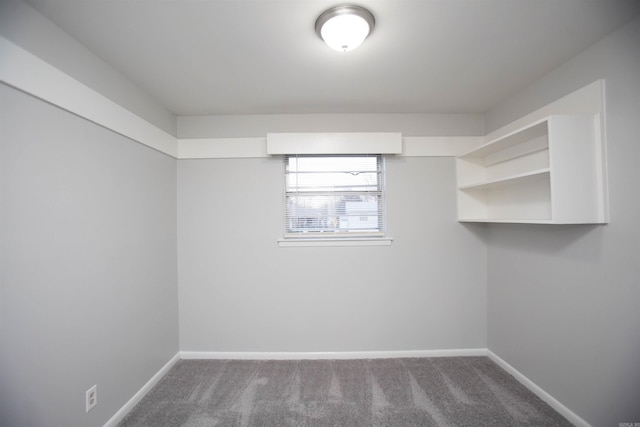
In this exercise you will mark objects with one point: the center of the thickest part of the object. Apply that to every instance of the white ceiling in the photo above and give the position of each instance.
(201, 57)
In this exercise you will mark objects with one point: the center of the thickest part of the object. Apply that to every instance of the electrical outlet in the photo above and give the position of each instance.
(92, 397)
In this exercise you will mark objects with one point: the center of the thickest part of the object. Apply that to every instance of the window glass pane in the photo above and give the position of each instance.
(348, 213)
(332, 181)
(333, 195)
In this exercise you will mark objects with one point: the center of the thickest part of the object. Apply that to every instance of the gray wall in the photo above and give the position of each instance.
(564, 302)
(88, 280)
(258, 125)
(240, 291)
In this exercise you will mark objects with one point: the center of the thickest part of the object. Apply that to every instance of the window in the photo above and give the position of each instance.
(334, 196)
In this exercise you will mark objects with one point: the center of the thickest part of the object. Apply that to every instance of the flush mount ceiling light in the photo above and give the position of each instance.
(345, 27)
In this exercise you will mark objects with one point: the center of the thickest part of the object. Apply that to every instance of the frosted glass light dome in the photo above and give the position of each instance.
(344, 28)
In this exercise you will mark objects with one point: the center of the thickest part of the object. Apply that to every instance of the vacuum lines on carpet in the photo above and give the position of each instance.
(447, 391)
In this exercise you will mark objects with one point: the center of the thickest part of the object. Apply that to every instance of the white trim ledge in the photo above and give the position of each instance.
(386, 241)
(119, 416)
(533, 387)
(24, 71)
(330, 355)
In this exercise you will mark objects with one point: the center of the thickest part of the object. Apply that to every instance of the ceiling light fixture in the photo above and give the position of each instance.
(345, 27)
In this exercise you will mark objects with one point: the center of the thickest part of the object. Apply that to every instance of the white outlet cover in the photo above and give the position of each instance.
(91, 397)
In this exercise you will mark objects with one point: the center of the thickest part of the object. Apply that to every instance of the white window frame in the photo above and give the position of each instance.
(328, 237)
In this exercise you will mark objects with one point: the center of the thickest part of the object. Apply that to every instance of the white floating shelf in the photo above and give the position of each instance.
(509, 180)
(548, 172)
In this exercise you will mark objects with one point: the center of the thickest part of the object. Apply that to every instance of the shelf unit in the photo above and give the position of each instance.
(549, 172)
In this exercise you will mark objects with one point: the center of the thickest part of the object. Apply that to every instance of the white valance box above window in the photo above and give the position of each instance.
(334, 143)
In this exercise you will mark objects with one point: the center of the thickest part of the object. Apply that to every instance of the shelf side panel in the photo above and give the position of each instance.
(575, 185)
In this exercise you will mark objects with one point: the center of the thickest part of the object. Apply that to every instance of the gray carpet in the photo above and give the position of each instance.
(451, 391)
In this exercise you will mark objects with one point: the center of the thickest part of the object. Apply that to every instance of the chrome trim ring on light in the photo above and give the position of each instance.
(345, 10)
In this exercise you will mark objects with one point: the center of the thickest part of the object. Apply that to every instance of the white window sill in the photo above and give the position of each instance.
(384, 241)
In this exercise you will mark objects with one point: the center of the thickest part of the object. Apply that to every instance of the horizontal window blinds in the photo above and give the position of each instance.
(334, 196)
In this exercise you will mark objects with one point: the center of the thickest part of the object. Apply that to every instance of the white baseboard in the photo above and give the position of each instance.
(550, 400)
(330, 355)
(119, 416)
